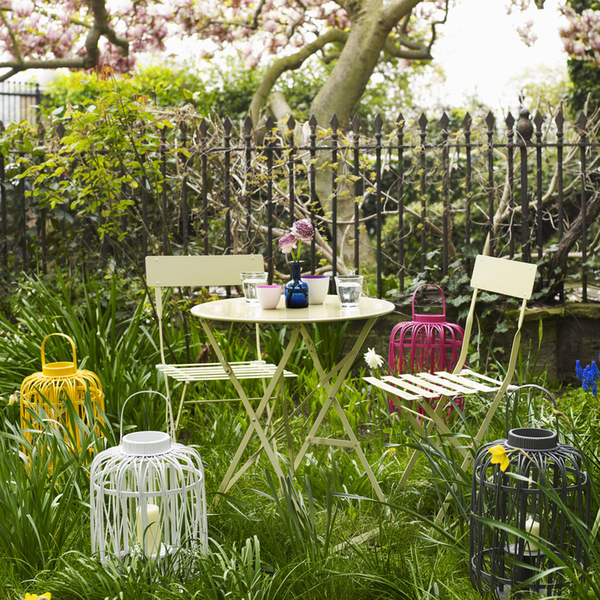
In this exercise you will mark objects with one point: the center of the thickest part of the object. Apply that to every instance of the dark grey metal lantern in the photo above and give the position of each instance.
(525, 483)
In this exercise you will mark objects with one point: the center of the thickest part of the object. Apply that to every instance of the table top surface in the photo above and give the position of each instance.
(238, 310)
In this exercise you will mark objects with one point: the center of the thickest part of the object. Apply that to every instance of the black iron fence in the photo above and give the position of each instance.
(413, 197)
(19, 101)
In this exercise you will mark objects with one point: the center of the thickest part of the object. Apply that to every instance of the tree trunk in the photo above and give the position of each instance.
(556, 262)
(339, 95)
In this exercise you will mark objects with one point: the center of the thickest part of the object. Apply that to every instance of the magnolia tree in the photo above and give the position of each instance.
(352, 34)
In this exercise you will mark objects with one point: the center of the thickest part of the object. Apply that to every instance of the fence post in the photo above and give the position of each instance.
(269, 149)
(538, 120)
(560, 120)
(227, 125)
(468, 178)
(42, 214)
(3, 209)
(23, 207)
(490, 121)
(510, 147)
(581, 124)
(357, 187)
(204, 154)
(378, 136)
(291, 124)
(422, 189)
(444, 122)
(163, 195)
(38, 101)
(334, 172)
(184, 190)
(249, 187)
(524, 131)
(312, 175)
(400, 134)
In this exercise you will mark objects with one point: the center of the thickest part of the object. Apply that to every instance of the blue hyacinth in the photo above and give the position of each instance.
(588, 376)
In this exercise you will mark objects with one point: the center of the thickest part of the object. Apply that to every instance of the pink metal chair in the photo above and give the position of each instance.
(426, 344)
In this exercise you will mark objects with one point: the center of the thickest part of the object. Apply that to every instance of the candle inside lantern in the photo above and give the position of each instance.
(533, 528)
(150, 529)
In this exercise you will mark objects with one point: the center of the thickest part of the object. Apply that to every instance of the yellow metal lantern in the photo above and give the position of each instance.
(59, 384)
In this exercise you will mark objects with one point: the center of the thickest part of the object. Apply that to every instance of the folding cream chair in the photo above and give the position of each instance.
(496, 275)
(204, 271)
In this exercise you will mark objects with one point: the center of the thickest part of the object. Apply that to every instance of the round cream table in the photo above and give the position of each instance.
(237, 310)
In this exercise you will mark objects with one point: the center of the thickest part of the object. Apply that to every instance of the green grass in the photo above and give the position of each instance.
(299, 538)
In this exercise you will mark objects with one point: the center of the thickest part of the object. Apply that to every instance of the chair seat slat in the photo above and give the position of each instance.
(215, 372)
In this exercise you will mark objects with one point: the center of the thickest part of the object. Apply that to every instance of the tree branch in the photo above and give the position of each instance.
(11, 33)
(330, 57)
(289, 63)
(415, 52)
(396, 11)
(57, 63)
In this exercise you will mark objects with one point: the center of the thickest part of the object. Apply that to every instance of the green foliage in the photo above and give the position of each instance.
(584, 75)
(111, 339)
(44, 488)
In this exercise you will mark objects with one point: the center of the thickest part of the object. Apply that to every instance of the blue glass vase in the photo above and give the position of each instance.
(296, 290)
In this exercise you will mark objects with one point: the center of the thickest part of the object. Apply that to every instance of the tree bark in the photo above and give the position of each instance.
(372, 23)
(556, 262)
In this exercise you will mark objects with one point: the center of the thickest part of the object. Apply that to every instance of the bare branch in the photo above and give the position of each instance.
(418, 51)
(13, 38)
(57, 63)
(256, 14)
(328, 58)
(290, 63)
(396, 11)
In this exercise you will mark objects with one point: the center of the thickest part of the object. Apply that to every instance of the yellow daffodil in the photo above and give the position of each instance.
(45, 596)
(499, 456)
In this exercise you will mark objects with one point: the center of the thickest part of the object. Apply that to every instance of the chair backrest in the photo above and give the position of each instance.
(505, 277)
(502, 276)
(169, 271)
(200, 271)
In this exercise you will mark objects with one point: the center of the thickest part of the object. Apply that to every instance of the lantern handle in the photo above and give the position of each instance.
(170, 425)
(522, 387)
(429, 285)
(61, 335)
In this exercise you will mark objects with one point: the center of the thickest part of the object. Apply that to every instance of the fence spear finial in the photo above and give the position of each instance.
(525, 126)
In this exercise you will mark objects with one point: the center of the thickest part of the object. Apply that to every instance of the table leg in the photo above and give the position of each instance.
(254, 426)
(331, 400)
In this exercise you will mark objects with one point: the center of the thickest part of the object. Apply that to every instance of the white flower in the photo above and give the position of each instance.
(373, 359)
(12, 399)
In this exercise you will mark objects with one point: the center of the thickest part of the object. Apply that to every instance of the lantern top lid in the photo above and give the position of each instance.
(146, 443)
(59, 369)
(532, 439)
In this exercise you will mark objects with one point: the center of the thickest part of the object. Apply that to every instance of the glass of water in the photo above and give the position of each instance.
(250, 279)
(349, 289)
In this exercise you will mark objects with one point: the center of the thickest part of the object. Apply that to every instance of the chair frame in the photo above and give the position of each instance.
(495, 275)
(204, 271)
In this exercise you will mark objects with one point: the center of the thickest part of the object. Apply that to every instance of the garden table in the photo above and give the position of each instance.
(236, 310)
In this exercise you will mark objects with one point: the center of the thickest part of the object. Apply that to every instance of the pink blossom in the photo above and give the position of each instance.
(303, 230)
(287, 243)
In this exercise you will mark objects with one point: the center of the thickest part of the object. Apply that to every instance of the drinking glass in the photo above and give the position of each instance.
(349, 289)
(250, 280)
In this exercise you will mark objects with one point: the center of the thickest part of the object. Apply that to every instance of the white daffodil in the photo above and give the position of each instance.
(373, 359)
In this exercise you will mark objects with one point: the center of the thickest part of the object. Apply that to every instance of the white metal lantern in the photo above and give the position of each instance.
(147, 495)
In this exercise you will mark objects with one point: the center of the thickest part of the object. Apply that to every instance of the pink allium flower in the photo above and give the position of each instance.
(303, 230)
(287, 242)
